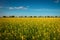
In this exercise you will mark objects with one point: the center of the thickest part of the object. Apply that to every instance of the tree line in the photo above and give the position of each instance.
(30, 16)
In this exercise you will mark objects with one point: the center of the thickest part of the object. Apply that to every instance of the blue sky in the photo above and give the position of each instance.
(30, 7)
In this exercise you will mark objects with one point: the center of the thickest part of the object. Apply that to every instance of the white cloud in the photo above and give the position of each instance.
(45, 9)
(11, 8)
(56, 1)
(20, 7)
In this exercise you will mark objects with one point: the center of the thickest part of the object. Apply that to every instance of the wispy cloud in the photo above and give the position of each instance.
(20, 7)
(56, 1)
(1, 7)
(45, 9)
(11, 8)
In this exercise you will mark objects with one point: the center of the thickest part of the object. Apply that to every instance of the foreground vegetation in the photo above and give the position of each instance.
(29, 28)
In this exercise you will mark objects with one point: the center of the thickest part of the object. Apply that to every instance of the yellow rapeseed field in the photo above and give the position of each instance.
(29, 28)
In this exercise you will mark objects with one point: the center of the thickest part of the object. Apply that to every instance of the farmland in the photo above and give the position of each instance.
(29, 28)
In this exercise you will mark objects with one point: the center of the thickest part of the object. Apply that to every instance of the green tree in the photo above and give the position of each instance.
(4, 16)
(39, 16)
(48, 16)
(35, 16)
(56, 16)
(11, 16)
(25, 16)
(20, 16)
(30, 16)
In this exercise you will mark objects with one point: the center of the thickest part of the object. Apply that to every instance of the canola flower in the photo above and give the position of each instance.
(29, 28)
